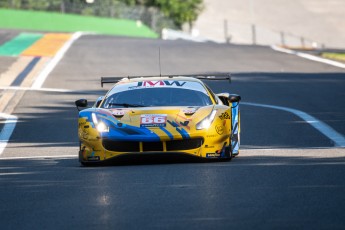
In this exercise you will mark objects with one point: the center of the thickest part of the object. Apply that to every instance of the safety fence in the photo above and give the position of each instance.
(252, 34)
(150, 16)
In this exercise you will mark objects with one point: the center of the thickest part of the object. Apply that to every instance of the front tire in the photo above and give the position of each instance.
(228, 153)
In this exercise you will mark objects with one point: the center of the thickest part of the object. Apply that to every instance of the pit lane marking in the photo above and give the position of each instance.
(48, 45)
(11, 120)
(56, 59)
(337, 138)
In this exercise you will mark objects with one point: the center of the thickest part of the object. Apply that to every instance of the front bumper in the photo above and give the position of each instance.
(102, 150)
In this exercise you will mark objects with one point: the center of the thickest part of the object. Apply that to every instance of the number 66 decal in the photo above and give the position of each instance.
(153, 120)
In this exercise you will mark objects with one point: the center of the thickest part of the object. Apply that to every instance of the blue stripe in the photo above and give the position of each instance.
(20, 78)
(172, 123)
(167, 132)
(183, 133)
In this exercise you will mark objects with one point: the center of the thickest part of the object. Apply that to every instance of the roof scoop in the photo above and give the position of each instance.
(118, 113)
(189, 111)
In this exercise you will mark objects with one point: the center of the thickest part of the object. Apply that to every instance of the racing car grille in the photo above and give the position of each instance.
(134, 146)
(152, 146)
(121, 146)
(184, 144)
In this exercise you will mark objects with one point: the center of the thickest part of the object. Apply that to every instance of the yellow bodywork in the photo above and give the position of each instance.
(124, 127)
(214, 137)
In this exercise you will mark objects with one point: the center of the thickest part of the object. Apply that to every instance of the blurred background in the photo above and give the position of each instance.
(295, 23)
(304, 24)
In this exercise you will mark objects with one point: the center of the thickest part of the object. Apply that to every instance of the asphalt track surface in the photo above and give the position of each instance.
(288, 176)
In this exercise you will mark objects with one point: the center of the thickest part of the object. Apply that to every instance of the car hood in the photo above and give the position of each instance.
(149, 123)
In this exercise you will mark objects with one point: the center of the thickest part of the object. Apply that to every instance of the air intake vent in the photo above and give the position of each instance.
(157, 146)
(184, 144)
(121, 146)
(152, 146)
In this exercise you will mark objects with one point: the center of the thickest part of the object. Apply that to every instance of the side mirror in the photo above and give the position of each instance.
(224, 97)
(81, 103)
(234, 98)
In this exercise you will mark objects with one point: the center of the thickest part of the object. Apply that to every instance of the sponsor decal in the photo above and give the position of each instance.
(210, 136)
(213, 155)
(153, 120)
(158, 84)
(224, 116)
(93, 158)
(220, 129)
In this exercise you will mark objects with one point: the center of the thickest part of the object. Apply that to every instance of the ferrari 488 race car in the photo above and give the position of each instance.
(160, 115)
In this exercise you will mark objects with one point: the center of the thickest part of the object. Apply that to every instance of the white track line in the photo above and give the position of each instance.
(46, 71)
(11, 120)
(39, 89)
(41, 157)
(7, 130)
(308, 56)
(337, 138)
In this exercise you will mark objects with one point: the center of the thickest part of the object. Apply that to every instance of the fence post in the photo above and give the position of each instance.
(323, 46)
(226, 32)
(302, 41)
(254, 34)
(62, 7)
(282, 38)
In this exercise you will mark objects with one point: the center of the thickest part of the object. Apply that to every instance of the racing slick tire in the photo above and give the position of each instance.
(228, 154)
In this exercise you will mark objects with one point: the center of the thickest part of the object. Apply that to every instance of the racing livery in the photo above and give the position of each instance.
(157, 115)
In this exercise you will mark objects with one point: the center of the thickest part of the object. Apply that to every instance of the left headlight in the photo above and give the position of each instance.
(207, 121)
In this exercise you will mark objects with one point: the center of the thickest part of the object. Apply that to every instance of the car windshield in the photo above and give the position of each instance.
(155, 96)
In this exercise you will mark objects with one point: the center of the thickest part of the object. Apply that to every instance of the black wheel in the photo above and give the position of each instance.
(228, 153)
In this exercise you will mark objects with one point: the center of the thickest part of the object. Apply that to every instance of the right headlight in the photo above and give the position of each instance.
(207, 121)
(100, 125)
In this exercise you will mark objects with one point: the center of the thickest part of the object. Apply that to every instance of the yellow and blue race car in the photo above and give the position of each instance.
(160, 115)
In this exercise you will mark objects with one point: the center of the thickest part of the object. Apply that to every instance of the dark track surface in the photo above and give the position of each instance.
(253, 191)
(248, 193)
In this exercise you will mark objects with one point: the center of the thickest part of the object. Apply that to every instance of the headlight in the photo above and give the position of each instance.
(207, 121)
(100, 126)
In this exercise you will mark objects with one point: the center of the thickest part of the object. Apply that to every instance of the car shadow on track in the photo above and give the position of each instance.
(153, 159)
(170, 160)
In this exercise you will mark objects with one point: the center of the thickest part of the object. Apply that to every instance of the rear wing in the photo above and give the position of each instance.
(227, 76)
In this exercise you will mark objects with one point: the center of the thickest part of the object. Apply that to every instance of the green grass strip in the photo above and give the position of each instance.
(335, 56)
(18, 44)
(57, 22)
